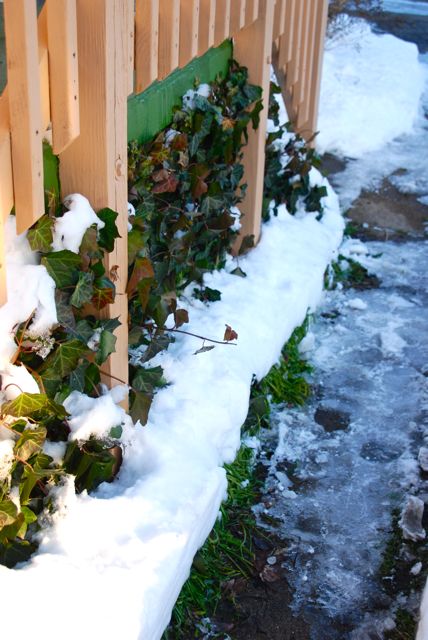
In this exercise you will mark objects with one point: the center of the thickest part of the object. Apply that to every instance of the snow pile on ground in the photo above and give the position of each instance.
(370, 92)
(126, 557)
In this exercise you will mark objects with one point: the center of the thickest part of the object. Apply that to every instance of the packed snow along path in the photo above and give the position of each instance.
(334, 486)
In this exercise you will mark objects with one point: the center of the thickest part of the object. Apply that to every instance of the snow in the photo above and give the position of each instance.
(386, 134)
(366, 100)
(127, 549)
(70, 228)
(96, 416)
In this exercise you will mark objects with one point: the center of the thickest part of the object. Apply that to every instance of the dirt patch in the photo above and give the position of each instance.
(388, 212)
(259, 608)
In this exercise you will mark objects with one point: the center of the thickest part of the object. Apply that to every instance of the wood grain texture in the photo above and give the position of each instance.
(222, 21)
(303, 113)
(24, 110)
(146, 43)
(237, 16)
(169, 36)
(253, 48)
(130, 25)
(309, 128)
(63, 72)
(6, 189)
(206, 25)
(189, 30)
(95, 164)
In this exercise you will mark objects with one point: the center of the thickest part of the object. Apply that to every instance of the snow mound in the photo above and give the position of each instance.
(371, 89)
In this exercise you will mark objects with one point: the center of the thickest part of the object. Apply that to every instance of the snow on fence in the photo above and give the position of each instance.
(71, 70)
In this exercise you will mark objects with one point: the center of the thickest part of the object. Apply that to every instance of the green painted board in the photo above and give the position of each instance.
(151, 111)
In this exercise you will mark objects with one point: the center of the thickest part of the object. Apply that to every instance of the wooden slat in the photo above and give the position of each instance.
(303, 114)
(130, 22)
(251, 11)
(42, 32)
(279, 19)
(298, 91)
(6, 190)
(286, 41)
(63, 72)
(189, 30)
(222, 21)
(253, 48)
(169, 36)
(237, 16)
(20, 19)
(321, 20)
(146, 43)
(95, 164)
(293, 69)
(206, 25)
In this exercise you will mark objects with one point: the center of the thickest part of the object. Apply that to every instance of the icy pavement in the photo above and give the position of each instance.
(333, 488)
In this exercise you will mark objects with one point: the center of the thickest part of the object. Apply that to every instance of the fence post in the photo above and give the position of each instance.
(95, 164)
(25, 114)
(252, 48)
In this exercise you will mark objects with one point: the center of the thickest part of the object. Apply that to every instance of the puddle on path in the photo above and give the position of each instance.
(347, 459)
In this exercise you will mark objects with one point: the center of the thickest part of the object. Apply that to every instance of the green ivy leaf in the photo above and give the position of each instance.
(30, 442)
(140, 406)
(65, 357)
(104, 293)
(211, 204)
(33, 405)
(63, 267)
(147, 380)
(109, 233)
(40, 235)
(8, 513)
(83, 291)
(106, 346)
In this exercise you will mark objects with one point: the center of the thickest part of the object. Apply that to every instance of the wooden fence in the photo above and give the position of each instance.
(72, 68)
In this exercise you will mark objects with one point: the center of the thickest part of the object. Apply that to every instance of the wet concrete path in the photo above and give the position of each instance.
(339, 467)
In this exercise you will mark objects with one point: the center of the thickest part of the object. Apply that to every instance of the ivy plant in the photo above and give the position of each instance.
(287, 182)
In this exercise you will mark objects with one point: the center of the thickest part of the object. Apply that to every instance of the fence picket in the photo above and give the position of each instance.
(237, 16)
(169, 36)
(309, 128)
(6, 188)
(63, 72)
(189, 36)
(222, 21)
(304, 107)
(146, 43)
(286, 41)
(95, 164)
(130, 25)
(207, 12)
(20, 20)
(253, 45)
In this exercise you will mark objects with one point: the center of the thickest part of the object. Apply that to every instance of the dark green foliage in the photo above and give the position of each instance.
(183, 185)
(349, 273)
(289, 182)
(287, 380)
(60, 363)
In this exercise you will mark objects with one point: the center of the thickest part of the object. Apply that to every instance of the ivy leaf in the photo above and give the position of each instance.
(230, 334)
(31, 405)
(63, 267)
(30, 442)
(181, 316)
(64, 312)
(146, 380)
(104, 293)
(106, 346)
(108, 234)
(83, 291)
(91, 464)
(140, 406)
(65, 357)
(8, 513)
(211, 204)
(143, 269)
(40, 236)
(135, 244)
(169, 185)
(238, 272)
